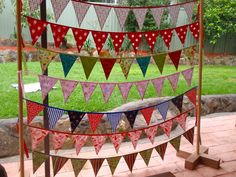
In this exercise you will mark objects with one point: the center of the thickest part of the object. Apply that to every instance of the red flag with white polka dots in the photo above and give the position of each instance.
(151, 38)
(99, 39)
(194, 28)
(59, 32)
(167, 36)
(117, 39)
(182, 32)
(135, 39)
(80, 37)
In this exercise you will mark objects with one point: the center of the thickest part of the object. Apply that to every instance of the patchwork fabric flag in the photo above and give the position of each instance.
(141, 87)
(58, 140)
(96, 164)
(143, 63)
(160, 61)
(167, 36)
(107, 89)
(102, 13)
(146, 155)
(75, 118)
(45, 57)
(174, 78)
(135, 39)
(107, 65)
(131, 116)
(151, 38)
(77, 164)
(33, 109)
(166, 127)
(53, 116)
(58, 32)
(130, 159)
(174, 13)
(189, 135)
(157, 14)
(122, 14)
(79, 141)
(88, 89)
(176, 143)
(140, 14)
(98, 142)
(38, 159)
(36, 28)
(178, 102)
(67, 62)
(163, 109)
(113, 162)
(114, 119)
(88, 64)
(99, 39)
(37, 135)
(191, 94)
(80, 10)
(175, 57)
(125, 65)
(182, 32)
(68, 86)
(124, 89)
(134, 137)
(188, 75)
(151, 133)
(188, 7)
(94, 120)
(58, 163)
(194, 28)
(117, 39)
(181, 120)
(58, 7)
(147, 114)
(34, 4)
(80, 36)
(161, 150)
(158, 84)
(46, 84)
(117, 139)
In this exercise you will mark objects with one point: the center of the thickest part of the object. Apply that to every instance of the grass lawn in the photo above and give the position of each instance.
(216, 80)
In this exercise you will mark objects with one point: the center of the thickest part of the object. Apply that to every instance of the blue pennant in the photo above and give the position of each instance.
(163, 109)
(67, 62)
(53, 116)
(114, 119)
(143, 64)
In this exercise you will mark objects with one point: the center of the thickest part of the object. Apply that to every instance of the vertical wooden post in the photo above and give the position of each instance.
(201, 43)
(43, 16)
(20, 91)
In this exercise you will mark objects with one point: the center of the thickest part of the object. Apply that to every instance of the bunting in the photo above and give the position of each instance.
(188, 7)
(161, 150)
(146, 155)
(167, 36)
(45, 57)
(135, 39)
(53, 116)
(58, 7)
(158, 84)
(191, 94)
(99, 39)
(67, 62)
(163, 109)
(33, 109)
(181, 120)
(178, 102)
(88, 89)
(130, 159)
(173, 79)
(160, 61)
(107, 89)
(147, 114)
(114, 119)
(75, 118)
(96, 164)
(182, 32)
(88, 64)
(194, 28)
(38, 160)
(68, 86)
(113, 162)
(188, 75)
(116, 140)
(176, 143)
(142, 87)
(80, 10)
(174, 13)
(79, 141)
(189, 135)
(175, 57)
(98, 142)
(140, 14)
(157, 14)
(125, 65)
(94, 120)
(78, 165)
(58, 140)
(117, 39)
(122, 14)
(58, 32)
(80, 37)
(151, 133)
(134, 137)
(46, 84)
(102, 14)
(166, 127)
(124, 89)
(143, 64)
(58, 163)
(107, 65)
(34, 4)
(131, 116)
(37, 135)
(151, 38)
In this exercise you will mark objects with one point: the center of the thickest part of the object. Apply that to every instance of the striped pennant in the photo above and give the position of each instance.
(53, 116)
(96, 164)
(189, 135)
(58, 163)
(130, 159)
(161, 150)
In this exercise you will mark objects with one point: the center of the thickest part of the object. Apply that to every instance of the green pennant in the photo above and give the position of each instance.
(146, 155)
(125, 65)
(88, 64)
(113, 162)
(176, 143)
(143, 64)
(38, 160)
(78, 164)
(160, 61)
(67, 62)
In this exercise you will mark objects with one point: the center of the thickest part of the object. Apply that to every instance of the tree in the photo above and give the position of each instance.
(2, 6)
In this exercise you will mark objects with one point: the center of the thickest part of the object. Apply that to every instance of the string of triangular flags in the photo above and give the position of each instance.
(100, 37)
(102, 11)
(68, 86)
(78, 163)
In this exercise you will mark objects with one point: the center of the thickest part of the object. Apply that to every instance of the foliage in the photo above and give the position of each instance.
(219, 18)
(2, 6)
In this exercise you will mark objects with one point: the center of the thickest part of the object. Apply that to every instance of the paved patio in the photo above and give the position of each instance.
(218, 133)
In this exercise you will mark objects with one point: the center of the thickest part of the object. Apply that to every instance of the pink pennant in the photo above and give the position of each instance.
(68, 86)
(188, 7)
(33, 109)
(37, 135)
(147, 114)
(102, 14)
(182, 32)
(135, 39)
(99, 39)
(34, 4)
(167, 36)
(175, 57)
(191, 94)
(157, 14)
(46, 84)
(80, 10)
(58, 32)
(124, 89)
(88, 89)
(80, 37)
(194, 28)
(188, 75)
(94, 120)
(166, 127)
(117, 139)
(151, 133)
(181, 119)
(58, 7)
(122, 14)
(174, 13)
(158, 84)
(58, 140)
(107, 89)
(98, 142)
(134, 137)
(140, 14)
(36, 27)
(142, 86)
(151, 38)
(174, 78)
(117, 39)
(79, 141)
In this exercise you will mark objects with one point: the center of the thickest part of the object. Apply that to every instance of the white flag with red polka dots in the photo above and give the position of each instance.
(167, 36)
(135, 39)
(117, 39)
(58, 7)
(151, 39)
(80, 10)
(99, 39)
(102, 14)
(182, 32)
(140, 14)
(194, 28)
(80, 37)
(59, 32)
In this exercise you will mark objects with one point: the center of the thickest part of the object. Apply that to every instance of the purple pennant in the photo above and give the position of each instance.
(53, 116)
(158, 84)
(131, 116)
(188, 74)
(68, 86)
(102, 14)
(88, 89)
(174, 78)
(142, 86)
(114, 119)
(122, 14)
(157, 14)
(46, 84)
(124, 89)
(107, 89)
(163, 109)
(80, 10)
(174, 13)
(140, 14)
(34, 4)
(75, 118)
(58, 7)
(178, 102)
(188, 7)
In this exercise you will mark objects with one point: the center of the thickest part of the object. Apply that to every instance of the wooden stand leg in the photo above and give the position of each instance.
(166, 174)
